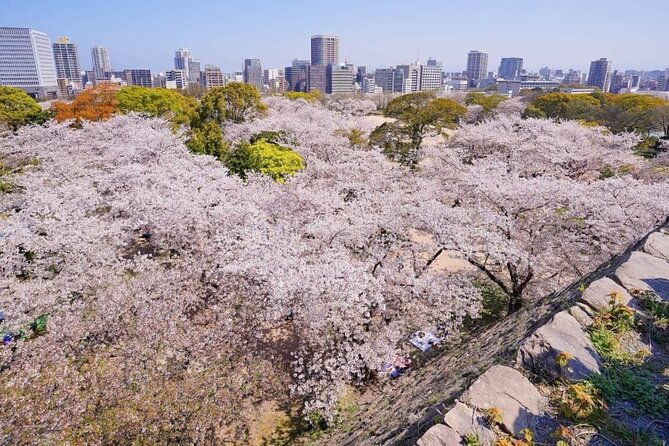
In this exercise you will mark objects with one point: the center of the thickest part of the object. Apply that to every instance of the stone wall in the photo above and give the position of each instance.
(520, 403)
(414, 406)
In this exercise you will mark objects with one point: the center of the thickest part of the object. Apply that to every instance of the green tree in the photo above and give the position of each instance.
(634, 112)
(564, 106)
(207, 139)
(236, 102)
(488, 102)
(17, 109)
(160, 102)
(269, 159)
(417, 115)
(311, 96)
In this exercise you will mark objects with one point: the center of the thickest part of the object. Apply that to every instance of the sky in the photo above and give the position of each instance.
(374, 33)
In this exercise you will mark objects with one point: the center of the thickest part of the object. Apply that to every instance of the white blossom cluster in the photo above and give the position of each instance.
(181, 298)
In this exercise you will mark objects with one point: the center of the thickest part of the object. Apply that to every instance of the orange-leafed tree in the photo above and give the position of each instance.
(95, 104)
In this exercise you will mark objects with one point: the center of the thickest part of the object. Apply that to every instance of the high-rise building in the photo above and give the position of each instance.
(340, 78)
(297, 75)
(510, 67)
(101, 63)
(253, 73)
(66, 58)
(360, 75)
(546, 73)
(600, 74)
(213, 77)
(141, 78)
(477, 67)
(269, 74)
(278, 84)
(182, 59)
(194, 75)
(573, 77)
(384, 78)
(431, 77)
(324, 50)
(176, 79)
(409, 79)
(26, 62)
(318, 78)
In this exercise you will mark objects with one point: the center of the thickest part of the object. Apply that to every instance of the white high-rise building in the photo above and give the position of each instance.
(26, 62)
(66, 57)
(101, 64)
(182, 61)
(324, 50)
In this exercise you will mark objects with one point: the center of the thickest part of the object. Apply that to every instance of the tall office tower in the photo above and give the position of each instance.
(101, 63)
(360, 75)
(141, 78)
(194, 75)
(269, 74)
(26, 62)
(477, 67)
(66, 57)
(573, 77)
(324, 50)
(510, 67)
(431, 77)
(600, 74)
(340, 78)
(182, 59)
(297, 75)
(409, 81)
(318, 78)
(253, 73)
(384, 78)
(213, 77)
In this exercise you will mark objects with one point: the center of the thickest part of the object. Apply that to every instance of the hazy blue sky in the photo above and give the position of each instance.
(559, 34)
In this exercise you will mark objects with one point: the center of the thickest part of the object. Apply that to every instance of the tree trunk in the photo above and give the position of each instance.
(515, 304)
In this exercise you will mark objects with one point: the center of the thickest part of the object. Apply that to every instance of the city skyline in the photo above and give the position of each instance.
(222, 37)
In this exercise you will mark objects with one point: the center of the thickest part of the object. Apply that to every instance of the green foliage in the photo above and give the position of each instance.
(421, 111)
(652, 303)
(207, 139)
(312, 96)
(624, 375)
(395, 141)
(18, 109)
(355, 137)
(269, 159)
(564, 106)
(417, 115)
(274, 137)
(621, 383)
(606, 172)
(488, 102)
(6, 187)
(236, 102)
(472, 440)
(581, 402)
(160, 102)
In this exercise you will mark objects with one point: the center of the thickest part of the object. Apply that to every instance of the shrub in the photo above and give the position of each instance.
(95, 104)
(18, 109)
(158, 102)
(269, 159)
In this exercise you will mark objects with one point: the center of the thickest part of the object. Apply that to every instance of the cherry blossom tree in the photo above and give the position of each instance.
(182, 298)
